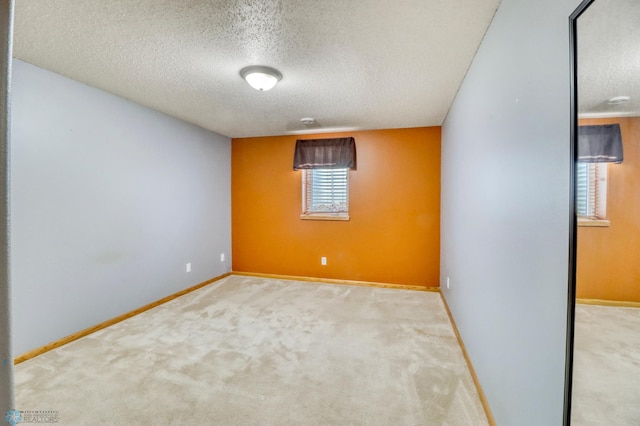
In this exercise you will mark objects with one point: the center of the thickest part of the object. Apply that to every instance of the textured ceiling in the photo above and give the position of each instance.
(350, 64)
(609, 58)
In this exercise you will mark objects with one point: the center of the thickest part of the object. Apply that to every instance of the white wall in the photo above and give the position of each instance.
(110, 200)
(505, 210)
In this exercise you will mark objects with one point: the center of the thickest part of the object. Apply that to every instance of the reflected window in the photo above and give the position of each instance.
(591, 188)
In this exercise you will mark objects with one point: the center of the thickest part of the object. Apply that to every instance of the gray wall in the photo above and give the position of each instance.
(505, 210)
(110, 200)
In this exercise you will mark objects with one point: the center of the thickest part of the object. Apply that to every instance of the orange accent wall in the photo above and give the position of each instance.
(608, 259)
(394, 232)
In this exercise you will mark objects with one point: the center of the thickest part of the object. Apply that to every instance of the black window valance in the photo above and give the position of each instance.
(336, 153)
(600, 144)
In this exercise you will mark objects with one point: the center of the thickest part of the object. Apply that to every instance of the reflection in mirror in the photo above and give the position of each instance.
(606, 363)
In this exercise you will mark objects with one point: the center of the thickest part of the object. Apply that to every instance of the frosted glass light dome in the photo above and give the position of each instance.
(260, 77)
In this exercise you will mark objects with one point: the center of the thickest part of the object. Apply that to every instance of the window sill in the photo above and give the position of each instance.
(598, 223)
(325, 216)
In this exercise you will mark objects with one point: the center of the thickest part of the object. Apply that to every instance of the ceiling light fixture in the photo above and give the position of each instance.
(308, 121)
(260, 77)
(617, 100)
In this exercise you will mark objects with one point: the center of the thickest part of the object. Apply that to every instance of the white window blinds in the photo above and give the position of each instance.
(325, 191)
(585, 189)
(591, 189)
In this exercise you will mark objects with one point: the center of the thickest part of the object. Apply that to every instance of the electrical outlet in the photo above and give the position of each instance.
(221, 257)
(188, 267)
(323, 260)
(447, 282)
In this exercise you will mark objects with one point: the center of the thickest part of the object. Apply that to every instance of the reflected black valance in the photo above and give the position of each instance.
(600, 144)
(336, 153)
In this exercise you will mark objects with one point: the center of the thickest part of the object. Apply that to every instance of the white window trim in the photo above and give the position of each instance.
(595, 223)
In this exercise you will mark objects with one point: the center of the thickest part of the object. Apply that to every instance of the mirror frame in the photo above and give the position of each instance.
(573, 227)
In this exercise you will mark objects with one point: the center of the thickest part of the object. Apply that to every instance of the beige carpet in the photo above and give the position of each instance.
(606, 374)
(250, 351)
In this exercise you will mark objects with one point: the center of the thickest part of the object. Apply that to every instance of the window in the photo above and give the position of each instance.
(591, 191)
(325, 165)
(325, 194)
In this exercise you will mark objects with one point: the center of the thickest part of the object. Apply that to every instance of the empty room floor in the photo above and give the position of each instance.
(606, 366)
(249, 351)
